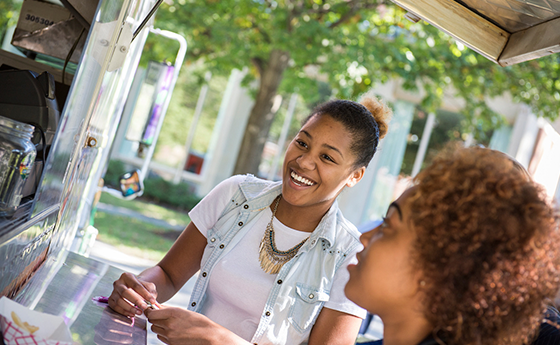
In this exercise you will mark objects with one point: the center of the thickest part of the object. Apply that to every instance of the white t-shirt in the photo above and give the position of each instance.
(238, 288)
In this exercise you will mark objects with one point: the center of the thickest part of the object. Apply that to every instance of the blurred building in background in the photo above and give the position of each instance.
(410, 142)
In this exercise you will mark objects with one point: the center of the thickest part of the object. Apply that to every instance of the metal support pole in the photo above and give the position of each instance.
(145, 21)
(178, 63)
(192, 130)
(283, 136)
(430, 122)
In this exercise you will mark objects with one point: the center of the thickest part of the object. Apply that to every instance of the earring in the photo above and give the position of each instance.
(422, 283)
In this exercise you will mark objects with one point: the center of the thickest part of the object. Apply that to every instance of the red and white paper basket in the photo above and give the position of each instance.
(22, 326)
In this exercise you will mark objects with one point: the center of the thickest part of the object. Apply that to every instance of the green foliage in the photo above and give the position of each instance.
(447, 128)
(160, 49)
(9, 10)
(179, 116)
(301, 112)
(179, 195)
(132, 236)
(419, 54)
(115, 169)
(148, 209)
(354, 45)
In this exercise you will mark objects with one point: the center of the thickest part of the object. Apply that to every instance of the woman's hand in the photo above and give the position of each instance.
(130, 293)
(169, 275)
(179, 326)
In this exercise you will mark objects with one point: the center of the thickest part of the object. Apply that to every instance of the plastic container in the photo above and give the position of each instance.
(17, 155)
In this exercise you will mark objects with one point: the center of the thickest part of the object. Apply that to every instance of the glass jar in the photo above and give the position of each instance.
(17, 155)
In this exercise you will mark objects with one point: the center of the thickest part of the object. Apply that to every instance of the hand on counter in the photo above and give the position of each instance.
(130, 293)
(115, 329)
(179, 326)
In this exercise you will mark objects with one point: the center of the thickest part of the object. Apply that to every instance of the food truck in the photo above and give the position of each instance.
(74, 114)
(70, 117)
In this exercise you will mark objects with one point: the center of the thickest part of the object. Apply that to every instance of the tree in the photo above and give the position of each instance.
(9, 10)
(291, 45)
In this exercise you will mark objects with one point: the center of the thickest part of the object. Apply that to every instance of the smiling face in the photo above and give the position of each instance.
(384, 280)
(318, 164)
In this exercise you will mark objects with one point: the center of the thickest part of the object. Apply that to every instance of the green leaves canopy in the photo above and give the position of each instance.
(9, 10)
(352, 45)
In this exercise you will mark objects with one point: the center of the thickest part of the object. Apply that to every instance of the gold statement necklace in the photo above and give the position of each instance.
(270, 257)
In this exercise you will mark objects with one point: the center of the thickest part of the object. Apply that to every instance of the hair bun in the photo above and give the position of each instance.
(381, 113)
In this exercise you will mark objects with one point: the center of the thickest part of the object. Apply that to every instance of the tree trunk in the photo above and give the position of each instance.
(260, 120)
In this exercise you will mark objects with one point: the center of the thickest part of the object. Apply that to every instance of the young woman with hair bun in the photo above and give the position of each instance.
(272, 255)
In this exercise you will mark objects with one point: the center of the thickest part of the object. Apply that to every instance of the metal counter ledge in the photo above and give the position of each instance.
(69, 294)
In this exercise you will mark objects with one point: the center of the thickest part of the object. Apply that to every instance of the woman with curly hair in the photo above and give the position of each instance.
(468, 255)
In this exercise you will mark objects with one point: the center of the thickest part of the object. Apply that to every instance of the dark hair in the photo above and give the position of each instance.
(367, 123)
(487, 246)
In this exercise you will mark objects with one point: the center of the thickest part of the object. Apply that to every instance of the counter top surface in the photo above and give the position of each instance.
(69, 295)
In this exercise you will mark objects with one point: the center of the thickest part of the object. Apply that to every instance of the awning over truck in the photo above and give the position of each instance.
(504, 31)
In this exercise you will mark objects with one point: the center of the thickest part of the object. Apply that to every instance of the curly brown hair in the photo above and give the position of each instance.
(487, 245)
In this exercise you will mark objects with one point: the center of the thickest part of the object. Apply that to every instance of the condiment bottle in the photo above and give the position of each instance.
(17, 155)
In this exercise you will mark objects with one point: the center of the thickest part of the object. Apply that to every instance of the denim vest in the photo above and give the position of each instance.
(302, 285)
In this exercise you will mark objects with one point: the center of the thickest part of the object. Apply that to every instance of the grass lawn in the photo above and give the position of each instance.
(134, 237)
(150, 210)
